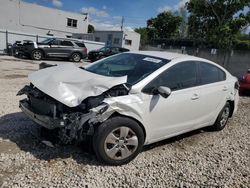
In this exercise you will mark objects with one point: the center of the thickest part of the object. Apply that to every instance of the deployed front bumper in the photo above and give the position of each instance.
(45, 121)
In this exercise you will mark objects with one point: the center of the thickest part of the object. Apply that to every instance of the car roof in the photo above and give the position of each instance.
(176, 56)
(164, 55)
(69, 39)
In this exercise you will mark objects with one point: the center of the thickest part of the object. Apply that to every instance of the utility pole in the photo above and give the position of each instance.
(122, 23)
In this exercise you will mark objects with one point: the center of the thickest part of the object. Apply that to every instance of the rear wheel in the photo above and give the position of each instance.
(222, 118)
(37, 55)
(76, 57)
(118, 141)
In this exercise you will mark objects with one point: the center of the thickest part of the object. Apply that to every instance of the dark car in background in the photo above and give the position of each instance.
(74, 50)
(105, 52)
(245, 82)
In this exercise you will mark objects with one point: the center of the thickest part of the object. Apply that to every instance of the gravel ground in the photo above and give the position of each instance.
(197, 159)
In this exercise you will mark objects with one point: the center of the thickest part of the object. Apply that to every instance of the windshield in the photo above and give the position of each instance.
(47, 41)
(135, 66)
(103, 49)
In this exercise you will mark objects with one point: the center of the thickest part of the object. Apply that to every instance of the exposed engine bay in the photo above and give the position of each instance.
(74, 124)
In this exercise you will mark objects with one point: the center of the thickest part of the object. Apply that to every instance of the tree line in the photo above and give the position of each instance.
(218, 24)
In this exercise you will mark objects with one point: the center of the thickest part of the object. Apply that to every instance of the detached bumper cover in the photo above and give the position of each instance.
(45, 121)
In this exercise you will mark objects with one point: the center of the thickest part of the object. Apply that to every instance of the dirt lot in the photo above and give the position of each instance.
(197, 159)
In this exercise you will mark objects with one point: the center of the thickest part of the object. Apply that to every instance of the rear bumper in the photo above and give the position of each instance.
(45, 121)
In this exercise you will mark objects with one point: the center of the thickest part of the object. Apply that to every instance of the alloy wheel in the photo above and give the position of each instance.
(121, 143)
(224, 116)
(76, 57)
(37, 55)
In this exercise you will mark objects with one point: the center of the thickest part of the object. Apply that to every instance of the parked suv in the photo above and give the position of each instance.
(105, 52)
(74, 50)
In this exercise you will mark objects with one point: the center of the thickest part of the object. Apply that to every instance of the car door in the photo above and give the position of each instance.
(180, 111)
(213, 92)
(52, 49)
(66, 48)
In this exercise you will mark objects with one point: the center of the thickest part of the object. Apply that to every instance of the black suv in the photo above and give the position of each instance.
(74, 50)
(105, 52)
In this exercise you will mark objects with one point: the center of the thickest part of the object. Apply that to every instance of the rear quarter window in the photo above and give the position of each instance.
(210, 74)
(67, 43)
(80, 44)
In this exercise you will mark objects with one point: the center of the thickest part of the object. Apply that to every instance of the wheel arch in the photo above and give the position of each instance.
(39, 49)
(115, 114)
(232, 106)
(76, 52)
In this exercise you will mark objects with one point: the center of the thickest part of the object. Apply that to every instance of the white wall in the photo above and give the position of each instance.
(103, 35)
(2, 41)
(135, 37)
(27, 17)
(14, 36)
(91, 45)
(122, 35)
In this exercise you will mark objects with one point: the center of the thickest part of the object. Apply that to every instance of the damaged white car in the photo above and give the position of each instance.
(129, 100)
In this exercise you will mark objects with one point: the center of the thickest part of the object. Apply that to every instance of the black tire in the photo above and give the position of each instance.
(37, 55)
(76, 57)
(116, 124)
(222, 118)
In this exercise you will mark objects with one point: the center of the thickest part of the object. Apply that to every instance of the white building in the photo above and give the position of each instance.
(125, 39)
(16, 15)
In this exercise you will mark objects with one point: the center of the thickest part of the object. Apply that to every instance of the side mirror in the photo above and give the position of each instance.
(164, 91)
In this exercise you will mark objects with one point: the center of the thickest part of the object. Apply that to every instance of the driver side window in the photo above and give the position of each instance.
(56, 42)
(180, 76)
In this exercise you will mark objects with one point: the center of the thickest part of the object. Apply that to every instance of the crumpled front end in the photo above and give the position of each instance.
(70, 84)
(73, 123)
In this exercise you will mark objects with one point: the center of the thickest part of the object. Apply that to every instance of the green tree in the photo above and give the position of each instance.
(217, 21)
(91, 28)
(165, 25)
(144, 35)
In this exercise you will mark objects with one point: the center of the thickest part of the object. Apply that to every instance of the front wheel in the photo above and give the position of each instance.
(222, 118)
(118, 141)
(37, 55)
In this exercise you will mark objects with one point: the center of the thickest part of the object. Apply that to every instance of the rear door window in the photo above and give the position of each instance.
(56, 42)
(67, 43)
(80, 44)
(210, 74)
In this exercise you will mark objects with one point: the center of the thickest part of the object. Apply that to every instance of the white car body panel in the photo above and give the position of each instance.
(71, 85)
(183, 111)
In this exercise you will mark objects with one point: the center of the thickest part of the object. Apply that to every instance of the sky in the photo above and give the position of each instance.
(108, 14)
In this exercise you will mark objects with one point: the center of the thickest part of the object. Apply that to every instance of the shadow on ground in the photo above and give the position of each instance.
(22, 131)
(245, 94)
(21, 58)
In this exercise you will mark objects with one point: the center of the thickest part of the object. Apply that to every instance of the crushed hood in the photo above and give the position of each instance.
(70, 84)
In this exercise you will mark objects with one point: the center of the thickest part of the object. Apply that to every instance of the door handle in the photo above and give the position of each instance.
(225, 88)
(195, 97)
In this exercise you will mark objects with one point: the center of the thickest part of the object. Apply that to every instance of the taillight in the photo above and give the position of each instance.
(237, 85)
(85, 50)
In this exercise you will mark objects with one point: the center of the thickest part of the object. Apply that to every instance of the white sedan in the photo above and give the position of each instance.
(126, 101)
